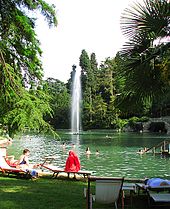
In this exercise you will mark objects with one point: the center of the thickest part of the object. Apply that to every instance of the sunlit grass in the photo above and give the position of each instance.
(15, 189)
(40, 194)
(48, 193)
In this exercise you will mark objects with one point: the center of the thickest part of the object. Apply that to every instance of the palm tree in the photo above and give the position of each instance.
(146, 55)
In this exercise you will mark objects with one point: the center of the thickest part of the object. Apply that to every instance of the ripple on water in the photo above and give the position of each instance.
(117, 154)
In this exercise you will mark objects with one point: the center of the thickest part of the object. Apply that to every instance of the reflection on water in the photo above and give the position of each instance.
(117, 156)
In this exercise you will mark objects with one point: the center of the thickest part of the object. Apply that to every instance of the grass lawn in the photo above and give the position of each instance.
(45, 193)
(41, 193)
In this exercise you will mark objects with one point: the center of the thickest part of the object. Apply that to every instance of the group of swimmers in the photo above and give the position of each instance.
(72, 164)
(87, 152)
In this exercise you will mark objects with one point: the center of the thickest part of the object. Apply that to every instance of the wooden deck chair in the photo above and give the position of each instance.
(5, 168)
(107, 190)
(56, 170)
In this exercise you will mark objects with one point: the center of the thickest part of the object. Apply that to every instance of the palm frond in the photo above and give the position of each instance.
(153, 17)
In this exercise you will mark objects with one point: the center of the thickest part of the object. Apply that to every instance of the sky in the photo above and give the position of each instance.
(93, 25)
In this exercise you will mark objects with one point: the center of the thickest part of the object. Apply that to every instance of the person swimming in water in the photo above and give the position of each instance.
(88, 152)
(63, 146)
(97, 152)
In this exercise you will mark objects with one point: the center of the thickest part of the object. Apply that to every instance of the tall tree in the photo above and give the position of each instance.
(94, 72)
(86, 78)
(107, 89)
(70, 81)
(20, 65)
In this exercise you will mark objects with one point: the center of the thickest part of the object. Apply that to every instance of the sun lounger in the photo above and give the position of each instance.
(56, 170)
(6, 169)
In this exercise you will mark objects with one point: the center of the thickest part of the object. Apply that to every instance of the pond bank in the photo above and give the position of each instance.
(159, 125)
(117, 152)
(81, 178)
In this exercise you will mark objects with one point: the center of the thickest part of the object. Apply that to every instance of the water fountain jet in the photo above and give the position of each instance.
(76, 103)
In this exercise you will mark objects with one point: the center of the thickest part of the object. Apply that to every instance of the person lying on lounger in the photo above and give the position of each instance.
(10, 159)
(154, 182)
(3, 152)
(5, 142)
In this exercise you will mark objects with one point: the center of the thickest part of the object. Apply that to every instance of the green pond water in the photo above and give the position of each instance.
(118, 152)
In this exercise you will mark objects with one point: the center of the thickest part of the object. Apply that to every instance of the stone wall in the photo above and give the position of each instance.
(162, 120)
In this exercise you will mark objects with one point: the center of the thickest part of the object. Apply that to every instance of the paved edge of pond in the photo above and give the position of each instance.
(78, 177)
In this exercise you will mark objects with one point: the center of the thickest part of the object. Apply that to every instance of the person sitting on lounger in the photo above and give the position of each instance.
(154, 182)
(72, 162)
(23, 163)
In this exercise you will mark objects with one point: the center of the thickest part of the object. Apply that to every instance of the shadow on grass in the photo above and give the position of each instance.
(47, 193)
(40, 194)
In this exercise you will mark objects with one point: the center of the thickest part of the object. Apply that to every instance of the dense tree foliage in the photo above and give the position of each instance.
(99, 93)
(87, 86)
(23, 104)
(134, 83)
(146, 56)
(59, 103)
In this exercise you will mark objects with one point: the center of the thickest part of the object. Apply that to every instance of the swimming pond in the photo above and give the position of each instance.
(117, 152)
